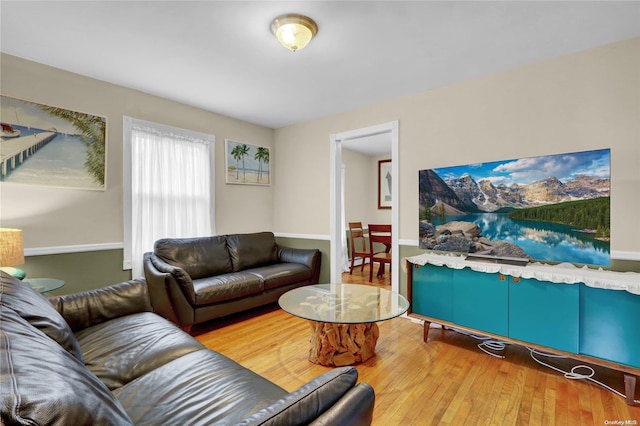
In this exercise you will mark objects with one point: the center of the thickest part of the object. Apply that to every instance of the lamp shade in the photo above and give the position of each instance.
(294, 31)
(11, 247)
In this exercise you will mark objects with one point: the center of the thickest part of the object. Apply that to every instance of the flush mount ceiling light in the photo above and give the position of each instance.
(294, 31)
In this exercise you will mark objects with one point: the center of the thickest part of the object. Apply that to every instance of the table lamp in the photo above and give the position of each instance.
(11, 252)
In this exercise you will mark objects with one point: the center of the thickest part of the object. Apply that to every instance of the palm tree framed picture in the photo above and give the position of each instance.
(51, 146)
(247, 164)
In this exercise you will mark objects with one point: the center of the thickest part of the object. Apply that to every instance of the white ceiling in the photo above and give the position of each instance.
(221, 56)
(372, 145)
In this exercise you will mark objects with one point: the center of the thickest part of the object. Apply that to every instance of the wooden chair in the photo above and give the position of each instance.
(359, 248)
(379, 234)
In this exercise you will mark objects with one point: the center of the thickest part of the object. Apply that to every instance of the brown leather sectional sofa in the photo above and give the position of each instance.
(102, 357)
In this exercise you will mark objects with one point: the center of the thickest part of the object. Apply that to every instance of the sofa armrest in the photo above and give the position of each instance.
(152, 262)
(308, 257)
(355, 408)
(168, 289)
(88, 308)
(322, 394)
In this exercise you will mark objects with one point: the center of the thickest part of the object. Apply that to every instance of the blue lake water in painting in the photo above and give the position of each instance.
(540, 240)
(61, 162)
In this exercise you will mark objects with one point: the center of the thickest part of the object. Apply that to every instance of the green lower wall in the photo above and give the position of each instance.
(80, 271)
(624, 265)
(98, 269)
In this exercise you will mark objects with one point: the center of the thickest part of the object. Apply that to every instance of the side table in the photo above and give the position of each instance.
(44, 285)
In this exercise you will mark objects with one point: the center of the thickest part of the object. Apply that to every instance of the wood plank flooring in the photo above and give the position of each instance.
(445, 381)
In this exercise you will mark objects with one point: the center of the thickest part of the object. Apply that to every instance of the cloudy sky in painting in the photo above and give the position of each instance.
(250, 163)
(532, 169)
(27, 114)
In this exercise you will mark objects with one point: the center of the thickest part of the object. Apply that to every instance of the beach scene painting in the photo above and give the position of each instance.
(51, 146)
(553, 208)
(247, 164)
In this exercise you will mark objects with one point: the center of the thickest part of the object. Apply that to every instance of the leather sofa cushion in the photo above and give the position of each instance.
(226, 287)
(122, 349)
(38, 378)
(203, 387)
(281, 274)
(38, 311)
(252, 250)
(199, 257)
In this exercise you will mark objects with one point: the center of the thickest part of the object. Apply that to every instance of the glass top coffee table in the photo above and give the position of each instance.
(343, 319)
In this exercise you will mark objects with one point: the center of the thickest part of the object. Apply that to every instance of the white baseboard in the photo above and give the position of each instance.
(625, 255)
(303, 236)
(42, 251)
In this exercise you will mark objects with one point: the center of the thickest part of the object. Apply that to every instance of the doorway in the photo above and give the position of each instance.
(336, 181)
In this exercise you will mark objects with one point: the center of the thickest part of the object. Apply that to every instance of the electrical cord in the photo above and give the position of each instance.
(489, 343)
(574, 374)
(494, 345)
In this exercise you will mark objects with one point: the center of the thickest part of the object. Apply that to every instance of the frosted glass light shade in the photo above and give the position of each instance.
(11, 247)
(294, 31)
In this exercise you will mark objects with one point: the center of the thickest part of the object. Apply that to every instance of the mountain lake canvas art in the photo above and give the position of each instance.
(552, 208)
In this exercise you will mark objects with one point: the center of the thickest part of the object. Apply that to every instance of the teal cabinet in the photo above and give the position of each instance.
(544, 313)
(602, 325)
(481, 301)
(432, 292)
(610, 325)
(528, 310)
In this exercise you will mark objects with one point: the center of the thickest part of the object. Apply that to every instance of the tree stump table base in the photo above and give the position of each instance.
(342, 344)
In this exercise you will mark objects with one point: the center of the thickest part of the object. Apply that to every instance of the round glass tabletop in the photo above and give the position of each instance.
(44, 285)
(343, 303)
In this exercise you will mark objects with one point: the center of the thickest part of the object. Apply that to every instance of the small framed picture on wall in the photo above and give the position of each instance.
(384, 184)
(247, 164)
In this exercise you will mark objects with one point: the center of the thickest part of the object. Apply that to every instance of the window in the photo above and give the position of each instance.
(168, 187)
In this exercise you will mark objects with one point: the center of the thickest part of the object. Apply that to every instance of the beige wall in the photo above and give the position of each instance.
(584, 101)
(358, 200)
(54, 217)
(360, 187)
(588, 100)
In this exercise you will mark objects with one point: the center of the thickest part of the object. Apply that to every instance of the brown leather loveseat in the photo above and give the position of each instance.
(193, 280)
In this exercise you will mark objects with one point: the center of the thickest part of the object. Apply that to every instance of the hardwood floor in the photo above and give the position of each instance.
(445, 381)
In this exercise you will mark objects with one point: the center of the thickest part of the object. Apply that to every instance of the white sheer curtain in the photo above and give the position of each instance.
(170, 193)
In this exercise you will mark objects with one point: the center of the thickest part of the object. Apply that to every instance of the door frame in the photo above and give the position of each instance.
(336, 206)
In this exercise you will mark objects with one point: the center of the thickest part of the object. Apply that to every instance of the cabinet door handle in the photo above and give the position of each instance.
(515, 280)
(502, 277)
